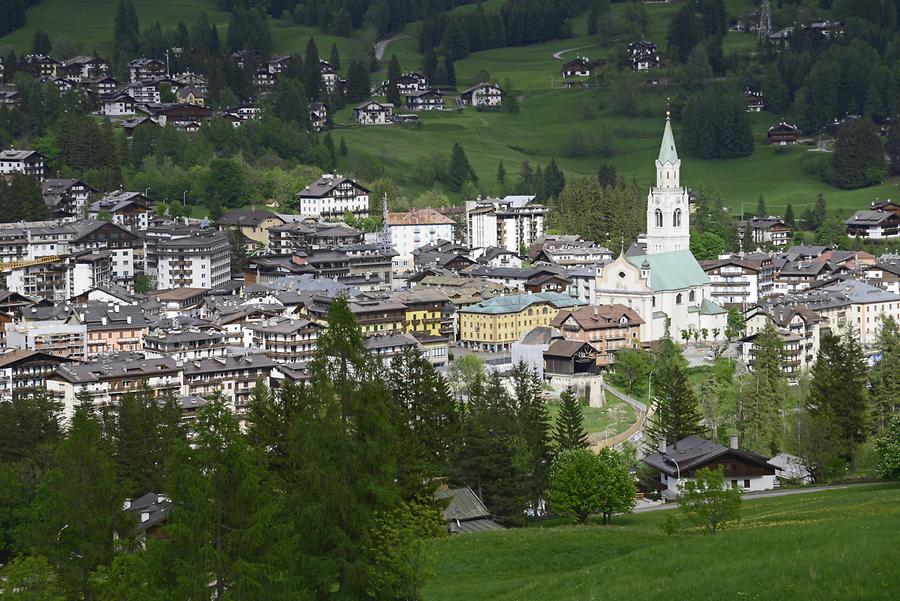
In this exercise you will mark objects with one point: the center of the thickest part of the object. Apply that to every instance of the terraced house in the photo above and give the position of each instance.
(494, 324)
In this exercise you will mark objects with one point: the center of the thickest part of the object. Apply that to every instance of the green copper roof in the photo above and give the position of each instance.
(667, 152)
(517, 302)
(674, 270)
(710, 308)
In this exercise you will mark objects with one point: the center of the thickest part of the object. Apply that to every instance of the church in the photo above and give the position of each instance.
(664, 284)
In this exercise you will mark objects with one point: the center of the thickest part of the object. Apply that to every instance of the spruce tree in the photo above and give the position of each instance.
(885, 376)
(760, 423)
(343, 147)
(328, 142)
(569, 432)
(459, 171)
(677, 410)
(534, 421)
(357, 81)
(312, 78)
(450, 70)
(554, 180)
(335, 58)
(430, 66)
(393, 74)
(501, 176)
(761, 211)
(789, 218)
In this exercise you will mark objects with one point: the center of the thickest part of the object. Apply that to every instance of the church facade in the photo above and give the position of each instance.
(665, 286)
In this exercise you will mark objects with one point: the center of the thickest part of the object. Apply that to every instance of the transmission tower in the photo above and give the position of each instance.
(765, 21)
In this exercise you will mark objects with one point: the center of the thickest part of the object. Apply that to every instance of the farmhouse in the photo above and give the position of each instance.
(874, 224)
(783, 134)
(678, 463)
(424, 100)
(483, 95)
(644, 55)
(754, 100)
(331, 196)
(373, 113)
(577, 67)
(29, 162)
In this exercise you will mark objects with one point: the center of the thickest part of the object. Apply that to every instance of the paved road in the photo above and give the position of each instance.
(559, 55)
(381, 45)
(626, 397)
(767, 495)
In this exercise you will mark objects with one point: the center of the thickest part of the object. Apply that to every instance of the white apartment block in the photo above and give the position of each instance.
(195, 261)
(414, 229)
(512, 222)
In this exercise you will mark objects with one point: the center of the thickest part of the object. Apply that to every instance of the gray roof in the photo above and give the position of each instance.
(694, 452)
(465, 511)
(325, 185)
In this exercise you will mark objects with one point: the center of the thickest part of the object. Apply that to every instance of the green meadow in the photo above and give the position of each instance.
(832, 545)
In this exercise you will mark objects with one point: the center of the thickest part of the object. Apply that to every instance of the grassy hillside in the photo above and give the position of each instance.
(837, 544)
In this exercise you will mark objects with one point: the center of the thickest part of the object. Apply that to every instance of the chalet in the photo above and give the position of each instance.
(62, 84)
(277, 64)
(191, 79)
(754, 100)
(39, 65)
(608, 328)
(243, 111)
(874, 224)
(144, 92)
(373, 113)
(465, 512)
(767, 230)
(330, 77)
(9, 97)
(411, 82)
(26, 370)
(141, 69)
(332, 196)
(783, 134)
(103, 84)
(827, 29)
(151, 512)
(264, 79)
(129, 125)
(131, 210)
(117, 104)
(253, 224)
(66, 197)
(181, 116)
(644, 55)
(482, 95)
(318, 116)
(190, 95)
(834, 128)
(678, 463)
(577, 67)
(79, 68)
(424, 100)
(29, 162)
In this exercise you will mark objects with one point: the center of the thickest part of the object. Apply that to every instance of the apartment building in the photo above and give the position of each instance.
(200, 260)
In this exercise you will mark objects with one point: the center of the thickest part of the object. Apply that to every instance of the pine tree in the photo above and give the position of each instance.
(885, 375)
(534, 421)
(430, 66)
(677, 412)
(459, 171)
(357, 81)
(343, 147)
(312, 78)
(839, 388)
(40, 42)
(328, 142)
(761, 211)
(28, 422)
(501, 177)
(748, 244)
(526, 183)
(554, 180)
(78, 506)
(450, 70)
(393, 75)
(760, 423)
(335, 58)
(789, 218)
(569, 432)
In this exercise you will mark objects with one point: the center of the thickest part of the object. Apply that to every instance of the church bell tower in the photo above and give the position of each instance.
(668, 215)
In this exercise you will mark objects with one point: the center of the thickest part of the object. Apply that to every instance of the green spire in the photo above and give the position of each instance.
(667, 152)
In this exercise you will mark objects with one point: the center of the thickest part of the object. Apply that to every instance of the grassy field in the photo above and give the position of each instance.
(613, 418)
(833, 545)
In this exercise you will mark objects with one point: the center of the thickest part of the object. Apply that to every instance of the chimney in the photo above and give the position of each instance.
(661, 445)
(734, 442)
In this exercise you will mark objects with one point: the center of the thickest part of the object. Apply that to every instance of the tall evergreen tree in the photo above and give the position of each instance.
(677, 410)
(569, 432)
(312, 79)
(335, 58)
(393, 75)
(534, 421)
(429, 66)
(357, 81)
(459, 171)
(761, 211)
(789, 218)
(760, 423)
(885, 375)
(554, 180)
(40, 42)
(839, 389)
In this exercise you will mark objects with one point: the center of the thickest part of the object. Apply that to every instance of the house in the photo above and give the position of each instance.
(512, 222)
(578, 67)
(9, 97)
(411, 82)
(570, 358)
(150, 511)
(39, 65)
(180, 115)
(465, 512)
(644, 55)
(117, 104)
(754, 100)
(62, 84)
(103, 84)
(423, 100)
(330, 77)
(884, 274)
(23, 371)
(79, 68)
(678, 463)
(607, 328)
(482, 95)
(497, 256)
(874, 224)
(770, 230)
(131, 210)
(253, 224)
(384, 347)
(318, 116)
(283, 339)
(66, 197)
(141, 69)
(740, 280)
(303, 235)
(783, 133)
(373, 113)
(29, 162)
(493, 325)
(189, 94)
(413, 229)
(333, 195)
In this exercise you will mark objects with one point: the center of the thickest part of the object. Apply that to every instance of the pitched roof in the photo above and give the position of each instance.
(667, 152)
(598, 317)
(674, 270)
(693, 452)
(419, 217)
(519, 302)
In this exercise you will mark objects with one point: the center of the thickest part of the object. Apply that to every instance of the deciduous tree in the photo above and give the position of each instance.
(708, 502)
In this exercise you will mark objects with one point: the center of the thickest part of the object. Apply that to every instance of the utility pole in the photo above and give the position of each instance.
(765, 21)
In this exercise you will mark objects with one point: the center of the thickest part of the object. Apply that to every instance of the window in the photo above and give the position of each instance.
(653, 301)
(659, 218)
(676, 218)
(678, 299)
(691, 296)
(746, 484)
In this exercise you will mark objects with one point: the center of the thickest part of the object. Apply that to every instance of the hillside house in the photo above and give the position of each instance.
(482, 95)
(29, 162)
(39, 65)
(783, 134)
(644, 55)
(318, 116)
(141, 69)
(131, 210)
(117, 104)
(333, 195)
(679, 462)
(411, 82)
(579, 67)
(103, 84)
(79, 68)
(768, 230)
(66, 197)
(874, 224)
(373, 113)
(424, 100)
(754, 100)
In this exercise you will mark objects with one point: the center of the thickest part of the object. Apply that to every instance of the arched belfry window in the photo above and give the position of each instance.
(659, 218)
(676, 218)
(691, 296)
(678, 299)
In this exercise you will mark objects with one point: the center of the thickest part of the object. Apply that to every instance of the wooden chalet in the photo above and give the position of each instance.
(570, 358)
(783, 134)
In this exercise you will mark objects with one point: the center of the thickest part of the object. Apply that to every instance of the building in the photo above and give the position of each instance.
(39, 65)
(884, 274)
(253, 224)
(493, 325)
(427, 312)
(318, 116)
(117, 104)
(23, 371)
(740, 281)
(644, 55)
(413, 229)
(373, 113)
(282, 339)
(234, 376)
(332, 196)
(512, 222)
(767, 231)
(754, 100)
(577, 68)
(679, 462)
(607, 328)
(61, 337)
(66, 197)
(201, 260)
(373, 315)
(131, 210)
(423, 100)
(668, 215)
(874, 224)
(465, 512)
(783, 134)
(141, 69)
(29, 162)
(799, 329)
(482, 96)
(308, 234)
(185, 344)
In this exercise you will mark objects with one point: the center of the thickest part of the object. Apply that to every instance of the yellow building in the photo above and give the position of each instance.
(494, 324)
(253, 224)
(427, 312)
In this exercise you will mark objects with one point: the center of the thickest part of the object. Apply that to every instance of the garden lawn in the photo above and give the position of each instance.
(614, 417)
(833, 545)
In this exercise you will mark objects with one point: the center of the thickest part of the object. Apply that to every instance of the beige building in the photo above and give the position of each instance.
(254, 225)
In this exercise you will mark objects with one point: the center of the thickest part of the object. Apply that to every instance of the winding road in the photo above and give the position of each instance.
(559, 55)
(381, 45)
